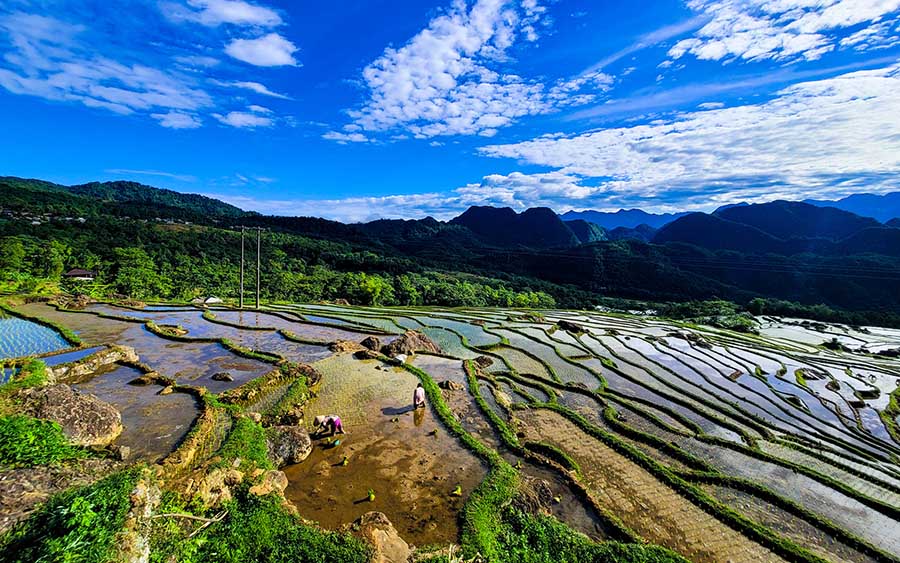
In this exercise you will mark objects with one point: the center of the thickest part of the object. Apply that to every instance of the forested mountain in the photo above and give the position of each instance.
(790, 219)
(881, 207)
(587, 232)
(642, 232)
(628, 218)
(150, 244)
(538, 227)
(894, 223)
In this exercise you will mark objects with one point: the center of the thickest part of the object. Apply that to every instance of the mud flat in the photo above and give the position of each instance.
(390, 449)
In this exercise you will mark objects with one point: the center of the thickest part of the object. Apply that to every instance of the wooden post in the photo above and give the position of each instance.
(258, 247)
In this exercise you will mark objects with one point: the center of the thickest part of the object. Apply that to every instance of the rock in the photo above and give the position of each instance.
(222, 376)
(451, 385)
(142, 380)
(344, 346)
(371, 343)
(98, 361)
(375, 529)
(255, 417)
(85, 419)
(691, 337)
(288, 445)
(301, 370)
(569, 326)
(401, 358)
(534, 496)
(272, 481)
(215, 487)
(409, 343)
(133, 541)
(341, 302)
(167, 390)
(366, 354)
(484, 361)
(122, 452)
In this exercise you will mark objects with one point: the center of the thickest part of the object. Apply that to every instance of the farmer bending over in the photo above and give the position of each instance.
(419, 397)
(328, 423)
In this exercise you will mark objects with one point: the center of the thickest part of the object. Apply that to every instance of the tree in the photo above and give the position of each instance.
(137, 274)
(12, 254)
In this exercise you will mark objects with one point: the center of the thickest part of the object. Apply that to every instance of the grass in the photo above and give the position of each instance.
(540, 539)
(29, 442)
(247, 442)
(77, 526)
(256, 529)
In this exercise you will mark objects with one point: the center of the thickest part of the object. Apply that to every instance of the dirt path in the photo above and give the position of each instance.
(649, 507)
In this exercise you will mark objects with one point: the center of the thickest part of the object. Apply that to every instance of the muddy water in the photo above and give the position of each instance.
(153, 424)
(411, 470)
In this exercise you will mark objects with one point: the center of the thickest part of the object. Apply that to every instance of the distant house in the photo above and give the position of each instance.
(78, 274)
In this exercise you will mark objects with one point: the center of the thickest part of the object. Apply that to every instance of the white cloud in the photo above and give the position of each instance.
(451, 78)
(244, 119)
(253, 86)
(259, 109)
(197, 61)
(48, 60)
(129, 172)
(212, 13)
(344, 138)
(813, 139)
(783, 29)
(177, 120)
(268, 50)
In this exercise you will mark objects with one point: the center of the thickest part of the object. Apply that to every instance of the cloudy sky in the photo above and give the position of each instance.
(360, 109)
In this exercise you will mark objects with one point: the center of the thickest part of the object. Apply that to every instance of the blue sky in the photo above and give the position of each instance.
(360, 109)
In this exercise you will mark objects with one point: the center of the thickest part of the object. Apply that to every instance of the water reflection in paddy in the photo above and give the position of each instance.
(19, 337)
(153, 424)
(189, 362)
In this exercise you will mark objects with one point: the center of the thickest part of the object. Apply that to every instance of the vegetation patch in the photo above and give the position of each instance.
(28, 442)
(77, 526)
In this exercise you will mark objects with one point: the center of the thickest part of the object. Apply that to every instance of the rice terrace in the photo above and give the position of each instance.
(589, 435)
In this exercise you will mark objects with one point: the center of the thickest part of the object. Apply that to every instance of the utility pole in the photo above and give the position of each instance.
(258, 247)
(242, 268)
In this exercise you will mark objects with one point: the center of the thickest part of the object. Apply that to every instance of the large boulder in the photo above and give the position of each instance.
(85, 419)
(569, 326)
(371, 343)
(409, 343)
(288, 444)
(375, 529)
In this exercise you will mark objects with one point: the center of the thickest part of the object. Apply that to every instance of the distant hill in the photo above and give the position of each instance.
(790, 219)
(132, 192)
(894, 223)
(642, 232)
(714, 232)
(629, 218)
(113, 198)
(587, 232)
(881, 207)
(538, 227)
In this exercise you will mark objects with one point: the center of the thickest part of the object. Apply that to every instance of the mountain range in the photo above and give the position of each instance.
(788, 250)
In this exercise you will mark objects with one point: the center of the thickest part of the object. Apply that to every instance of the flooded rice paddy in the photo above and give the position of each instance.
(655, 416)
